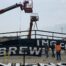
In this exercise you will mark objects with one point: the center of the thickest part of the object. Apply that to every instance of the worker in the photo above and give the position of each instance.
(46, 50)
(58, 51)
(53, 49)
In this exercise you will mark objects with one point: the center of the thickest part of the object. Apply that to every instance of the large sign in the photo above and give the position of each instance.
(32, 47)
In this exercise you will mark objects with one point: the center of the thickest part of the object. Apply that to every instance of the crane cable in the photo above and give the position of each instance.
(19, 24)
(20, 17)
(35, 25)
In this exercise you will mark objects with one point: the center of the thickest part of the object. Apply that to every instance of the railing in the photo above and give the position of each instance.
(34, 35)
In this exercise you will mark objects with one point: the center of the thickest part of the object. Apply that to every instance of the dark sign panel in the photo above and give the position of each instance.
(31, 47)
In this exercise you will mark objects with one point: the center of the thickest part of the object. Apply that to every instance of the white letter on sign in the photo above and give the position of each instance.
(2, 51)
(21, 51)
(12, 50)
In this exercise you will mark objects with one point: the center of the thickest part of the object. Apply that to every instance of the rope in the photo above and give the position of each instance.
(35, 25)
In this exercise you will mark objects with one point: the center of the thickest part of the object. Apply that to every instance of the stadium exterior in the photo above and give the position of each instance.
(16, 47)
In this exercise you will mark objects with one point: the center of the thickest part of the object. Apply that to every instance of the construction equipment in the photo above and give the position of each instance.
(33, 18)
(26, 6)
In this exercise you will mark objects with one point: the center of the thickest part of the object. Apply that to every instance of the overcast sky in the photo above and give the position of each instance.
(51, 13)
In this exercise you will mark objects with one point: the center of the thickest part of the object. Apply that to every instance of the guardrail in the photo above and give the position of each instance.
(35, 34)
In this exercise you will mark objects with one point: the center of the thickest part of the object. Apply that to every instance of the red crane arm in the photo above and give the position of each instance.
(33, 19)
(30, 29)
(22, 7)
(10, 8)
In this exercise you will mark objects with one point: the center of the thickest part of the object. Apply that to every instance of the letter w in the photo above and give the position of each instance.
(35, 50)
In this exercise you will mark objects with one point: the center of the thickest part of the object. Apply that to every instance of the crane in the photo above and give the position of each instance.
(33, 18)
(24, 6)
(28, 8)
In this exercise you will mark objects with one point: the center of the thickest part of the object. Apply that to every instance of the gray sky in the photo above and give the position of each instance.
(51, 13)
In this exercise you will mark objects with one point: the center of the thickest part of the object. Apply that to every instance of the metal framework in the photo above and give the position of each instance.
(41, 34)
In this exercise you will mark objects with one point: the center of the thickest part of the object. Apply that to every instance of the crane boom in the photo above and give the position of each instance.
(22, 7)
(30, 29)
(33, 19)
(10, 8)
